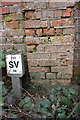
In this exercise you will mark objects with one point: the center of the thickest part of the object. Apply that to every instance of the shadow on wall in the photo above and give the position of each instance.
(76, 57)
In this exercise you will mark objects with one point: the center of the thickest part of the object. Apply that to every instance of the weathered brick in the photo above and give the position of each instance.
(39, 69)
(6, 33)
(50, 48)
(37, 75)
(68, 31)
(58, 13)
(30, 15)
(31, 48)
(1, 17)
(15, 9)
(35, 24)
(17, 32)
(62, 56)
(67, 21)
(4, 10)
(62, 69)
(56, 23)
(60, 4)
(47, 14)
(32, 40)
(40, 56)
(67, 12)
(38, 15)
(8, 3)
(48, 31)
(30, 32)
(58, 31)
(39, 32)
(44, 40)
(50, 75)
(67, 76)
(13, 24)
(40, 48)
(12, 17)
(62, 39)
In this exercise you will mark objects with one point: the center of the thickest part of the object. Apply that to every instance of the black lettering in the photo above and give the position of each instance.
(16, 64)
(11, 64)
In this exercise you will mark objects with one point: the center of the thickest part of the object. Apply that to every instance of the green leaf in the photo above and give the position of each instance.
(36, 107)
(27, 99)
(21, 103)
(4, 90)
(52, 98)
(66, 92)
(27, 106)
(72, 91)
(61, 115)
(77, 109)
(2, 64)
(64, 100)
(58, 88)
(45, 103)
(44, 111)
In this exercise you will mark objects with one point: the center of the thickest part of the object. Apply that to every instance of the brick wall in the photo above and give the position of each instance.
(45, 33)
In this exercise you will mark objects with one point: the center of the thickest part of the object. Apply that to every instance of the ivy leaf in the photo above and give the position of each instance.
(45, 111)
(27, 106)
(58, 88)
(66, 92)
(52, 98)
(61, 115)
(45, 103)
(72, 91)
(77, 109)
(4, 91)
(64, 100)
(27, 99)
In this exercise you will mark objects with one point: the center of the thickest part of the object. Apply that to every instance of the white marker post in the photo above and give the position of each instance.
(15, 69)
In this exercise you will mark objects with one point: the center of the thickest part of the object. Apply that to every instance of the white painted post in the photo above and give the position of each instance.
(15, 69)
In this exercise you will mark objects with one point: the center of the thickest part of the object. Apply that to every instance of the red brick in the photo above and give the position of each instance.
(12, 24)
(31, 48)
(30, 15)
(35, 24)
(58, 31)
(47, 14)
(32, 40)
(50, 48)
(48, 31)
(58, 13)
(4, 10)
(60, 4)
(39, 32)
(12, 17)
(1, 17)
(63, 69)
(15, 9)
(38, 15)
(68, 31)
(68, 21)
(67, 12)
(8, 3)
(39, 69)
(50, 75)
(56, 23)
(17, 32)
(30, 32)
